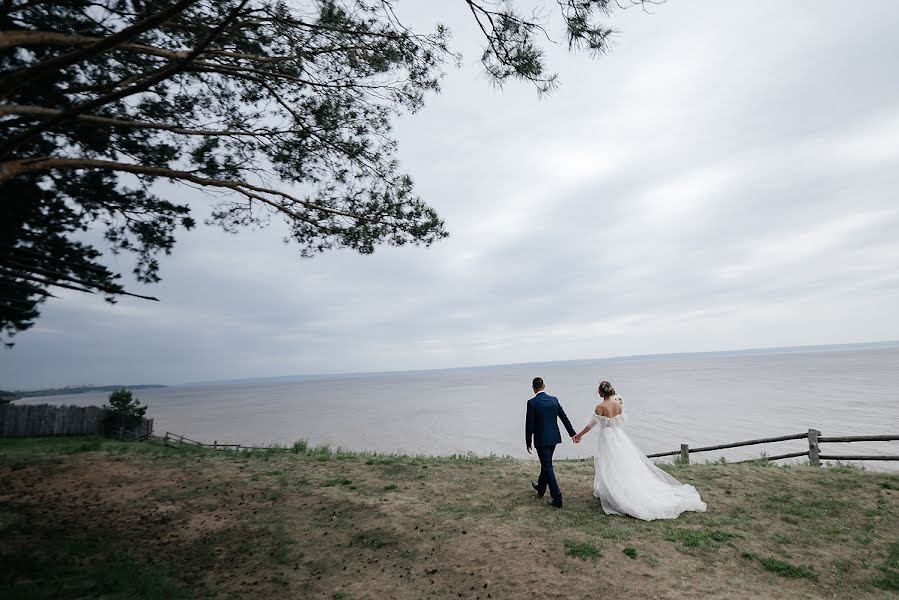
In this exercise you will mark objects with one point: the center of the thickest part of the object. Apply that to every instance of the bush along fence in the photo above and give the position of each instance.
(30, 420)
(814, 437)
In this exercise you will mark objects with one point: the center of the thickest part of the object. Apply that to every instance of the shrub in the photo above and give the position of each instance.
(124, 411)
(123, 403)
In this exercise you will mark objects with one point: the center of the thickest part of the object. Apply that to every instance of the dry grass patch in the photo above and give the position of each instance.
(314, 523)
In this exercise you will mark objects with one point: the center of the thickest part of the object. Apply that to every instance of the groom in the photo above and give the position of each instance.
(540, 424)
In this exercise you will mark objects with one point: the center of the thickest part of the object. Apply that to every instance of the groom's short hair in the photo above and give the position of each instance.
(538, 383)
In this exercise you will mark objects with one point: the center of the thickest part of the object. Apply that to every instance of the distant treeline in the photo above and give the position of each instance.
(73, 390)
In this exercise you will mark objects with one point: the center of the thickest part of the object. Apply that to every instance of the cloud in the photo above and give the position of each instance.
(724, 179)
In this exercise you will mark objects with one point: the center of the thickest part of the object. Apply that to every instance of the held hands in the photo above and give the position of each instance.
(575, 438)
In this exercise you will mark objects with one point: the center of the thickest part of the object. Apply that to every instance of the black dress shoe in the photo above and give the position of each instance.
(554, 504)
(537, 489)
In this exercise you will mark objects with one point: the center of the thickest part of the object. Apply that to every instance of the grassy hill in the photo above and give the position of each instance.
(95, 518)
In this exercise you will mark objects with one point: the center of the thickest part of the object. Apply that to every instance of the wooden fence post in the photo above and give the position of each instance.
(215, 444)
(685, 454)
(813, 450)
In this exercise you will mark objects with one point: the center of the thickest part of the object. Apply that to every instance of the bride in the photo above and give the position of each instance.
(626, 481)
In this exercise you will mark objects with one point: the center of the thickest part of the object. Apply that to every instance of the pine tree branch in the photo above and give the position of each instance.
(28, 76)
(257, 75)
(20, 253)
(18, 109)
(12, 273)
(21, 38)
(14, 168)
(160, 75)
(54, 274)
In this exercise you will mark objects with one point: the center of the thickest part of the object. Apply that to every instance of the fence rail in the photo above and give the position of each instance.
(136, 436)
(812, 435)
(856, 457)
(783, 438)
(860, 438)
(174, 440)
(30, 420)
(813, 453)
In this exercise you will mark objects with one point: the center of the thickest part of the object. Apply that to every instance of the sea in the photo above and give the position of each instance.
(696, 399)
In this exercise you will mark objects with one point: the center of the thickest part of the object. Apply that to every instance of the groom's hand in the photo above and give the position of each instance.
(576, 439)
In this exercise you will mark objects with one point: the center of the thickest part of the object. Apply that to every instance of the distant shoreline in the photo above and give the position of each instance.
(62, 391)
(549, 363)
(85, 389)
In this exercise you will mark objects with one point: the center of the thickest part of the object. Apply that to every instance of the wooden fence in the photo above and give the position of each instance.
(175, 440)
(29, 420)
(813, 453)
(814, 437)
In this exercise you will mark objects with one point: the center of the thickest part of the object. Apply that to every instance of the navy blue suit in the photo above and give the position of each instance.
(541, 426)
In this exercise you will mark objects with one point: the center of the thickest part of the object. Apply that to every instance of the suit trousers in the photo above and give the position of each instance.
(547, 474)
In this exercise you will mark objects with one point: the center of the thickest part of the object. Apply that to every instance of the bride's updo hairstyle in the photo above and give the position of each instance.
(606, 390)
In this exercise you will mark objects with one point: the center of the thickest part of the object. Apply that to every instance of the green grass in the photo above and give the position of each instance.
(785, 569)
(337, 481)
(582, 550)
(10, 448)
(889, 578)
(782, 568)
(680, 461)
(696, 539)
(83, 569)
(310, 521)
(809, 505)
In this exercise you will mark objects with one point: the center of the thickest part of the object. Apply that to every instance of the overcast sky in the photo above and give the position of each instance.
(726, 178)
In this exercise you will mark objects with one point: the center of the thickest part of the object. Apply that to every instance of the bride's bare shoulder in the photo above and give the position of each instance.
(600, 410)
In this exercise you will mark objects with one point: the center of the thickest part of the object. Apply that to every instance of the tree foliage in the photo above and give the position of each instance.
(273, 108)
(122, 403)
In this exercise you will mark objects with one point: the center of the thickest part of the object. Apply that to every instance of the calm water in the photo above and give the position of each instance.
(695, 399)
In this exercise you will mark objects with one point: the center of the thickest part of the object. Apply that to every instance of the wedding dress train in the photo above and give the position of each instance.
(627, 482)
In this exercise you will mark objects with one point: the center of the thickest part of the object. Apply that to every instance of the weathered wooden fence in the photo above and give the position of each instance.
(175, 440)
(813, 453)
(814, 437)
(29, 420)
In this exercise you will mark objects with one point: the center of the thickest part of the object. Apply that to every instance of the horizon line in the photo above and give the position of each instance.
(763, 350)
(656, 355)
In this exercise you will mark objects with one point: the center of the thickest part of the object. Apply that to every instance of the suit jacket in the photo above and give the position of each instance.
(540, 422)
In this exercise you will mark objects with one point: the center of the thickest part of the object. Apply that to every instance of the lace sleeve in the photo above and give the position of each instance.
(594, 419)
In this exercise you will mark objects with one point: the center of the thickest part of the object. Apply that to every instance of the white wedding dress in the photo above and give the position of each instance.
(627, 482)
